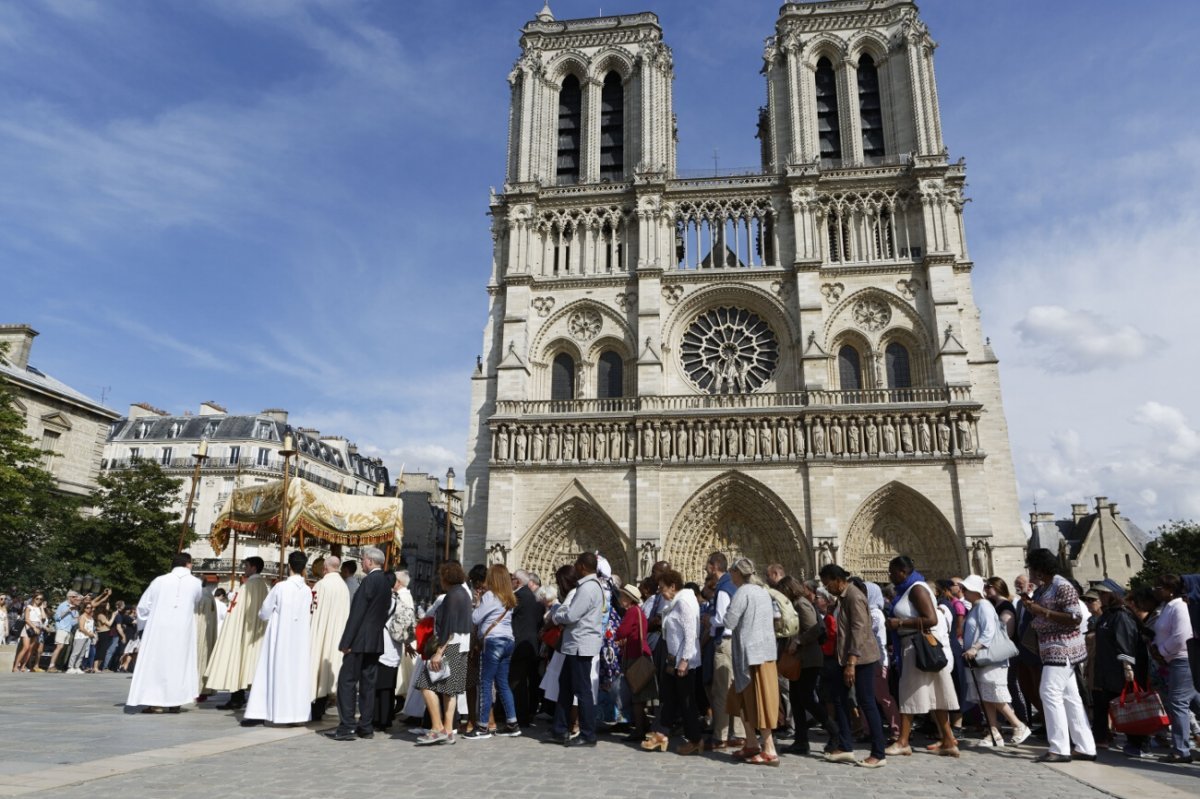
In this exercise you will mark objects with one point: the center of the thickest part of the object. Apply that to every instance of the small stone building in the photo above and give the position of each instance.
(1093, 544)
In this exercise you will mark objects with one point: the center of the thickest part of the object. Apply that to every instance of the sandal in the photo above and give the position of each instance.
(745, 753)
(762, 759)
(655, 740)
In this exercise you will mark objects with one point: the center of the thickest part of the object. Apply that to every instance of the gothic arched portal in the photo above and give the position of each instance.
(897, 520)
(572, 527)
(740, 517)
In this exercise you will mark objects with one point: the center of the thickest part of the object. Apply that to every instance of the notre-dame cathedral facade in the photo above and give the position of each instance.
(786, 365)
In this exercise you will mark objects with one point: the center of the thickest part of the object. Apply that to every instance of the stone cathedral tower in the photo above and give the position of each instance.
(787, 365)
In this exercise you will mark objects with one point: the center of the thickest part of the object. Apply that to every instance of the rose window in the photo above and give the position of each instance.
(729, 351)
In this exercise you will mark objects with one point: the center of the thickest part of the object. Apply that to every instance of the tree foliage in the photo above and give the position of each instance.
(33, 513)
(1175, 549)
(133, 535)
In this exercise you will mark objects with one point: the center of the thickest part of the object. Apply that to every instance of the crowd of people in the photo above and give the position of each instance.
(736, 662)
(83, 634)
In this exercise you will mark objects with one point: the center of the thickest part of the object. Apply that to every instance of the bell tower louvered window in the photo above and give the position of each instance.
(828, 125)
(610, 376)
(562, 377)
(570, 129)
(869, 107)
(612, 128)
(849, 369)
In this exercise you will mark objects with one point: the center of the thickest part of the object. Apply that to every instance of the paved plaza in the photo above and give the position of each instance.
(69, 735)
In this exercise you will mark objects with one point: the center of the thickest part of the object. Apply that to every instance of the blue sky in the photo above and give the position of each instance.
(282, 203)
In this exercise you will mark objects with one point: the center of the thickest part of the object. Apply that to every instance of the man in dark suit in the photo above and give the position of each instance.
(526, 625)
(361, 645)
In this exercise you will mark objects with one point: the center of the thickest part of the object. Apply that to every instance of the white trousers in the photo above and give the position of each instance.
(1066, 718)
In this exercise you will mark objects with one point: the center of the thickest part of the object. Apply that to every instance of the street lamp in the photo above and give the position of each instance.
(449, 492)
(201, 455)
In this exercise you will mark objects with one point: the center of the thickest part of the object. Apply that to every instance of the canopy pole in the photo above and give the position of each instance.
(287, 452)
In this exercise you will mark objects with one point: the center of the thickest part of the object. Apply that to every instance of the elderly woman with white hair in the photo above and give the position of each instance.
(755, 694)
(984, 634)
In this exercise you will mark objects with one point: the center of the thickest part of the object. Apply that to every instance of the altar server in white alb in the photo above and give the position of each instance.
(332, 600)
(282, 689)
(166, 675)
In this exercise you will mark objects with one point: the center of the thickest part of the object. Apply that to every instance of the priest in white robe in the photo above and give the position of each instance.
(166, 674)
(206, 637)
(332, 600)
(280, 690)
(235, 657)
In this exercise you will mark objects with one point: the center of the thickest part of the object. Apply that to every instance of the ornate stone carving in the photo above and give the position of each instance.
(872, 314)
(498, 553)
(647, 557)
(826, 553)
(627, 300)
(672, 294)
(543, 305)
(575, 526)
(908, 288)
(781, 289)
(832, 292)
(897, 519)
(585, 324)
(729, 351)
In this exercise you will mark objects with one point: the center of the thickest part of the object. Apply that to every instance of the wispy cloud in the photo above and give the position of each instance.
(1081, 340)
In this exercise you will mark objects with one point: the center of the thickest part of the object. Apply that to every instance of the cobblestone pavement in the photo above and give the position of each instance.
(64, 730)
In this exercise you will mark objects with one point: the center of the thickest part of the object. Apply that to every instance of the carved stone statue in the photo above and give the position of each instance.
(614, 443)
(799, 445)
(699, 439)
(889, 437)
(520, 448)
(906, 436)
(835, 438)
(630, 442)
(664, 442)
(681, 442)
(647, 442)
(924, 436)
(966, 442)
(751, 446)
(502, 444)
(852, 437)
(569, 445)
(585, 443)
(943, 434)
(539, 444)
(981, 556)
(714, 437)
(765, 440)
(818, 438)
(782, 434)
(872, 437)
(732, 443)
(601, 444)
(553, 444)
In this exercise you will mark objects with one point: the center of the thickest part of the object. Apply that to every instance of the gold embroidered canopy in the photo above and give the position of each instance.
(347, 519)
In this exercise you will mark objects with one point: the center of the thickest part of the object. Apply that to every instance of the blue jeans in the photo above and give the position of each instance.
(864, 691)
(493, 670)
(1179, 696)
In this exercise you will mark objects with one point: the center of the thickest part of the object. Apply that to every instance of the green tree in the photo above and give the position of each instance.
(133, 535)
(33, 513)
(1175, 549)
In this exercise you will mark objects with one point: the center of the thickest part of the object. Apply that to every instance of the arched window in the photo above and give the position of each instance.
(839, 237)
(849, 369)
(610, 376)
(899, 372)
(869, 108)
(828, 125)
(612, 128)
(562, 377)
(570, 124)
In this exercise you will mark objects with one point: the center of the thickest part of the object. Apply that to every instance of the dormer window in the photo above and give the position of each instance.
(264, 431)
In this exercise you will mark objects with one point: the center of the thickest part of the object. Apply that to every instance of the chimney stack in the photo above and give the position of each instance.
(1078, 511)
(277, 414)
(19, 339)
(210, 408)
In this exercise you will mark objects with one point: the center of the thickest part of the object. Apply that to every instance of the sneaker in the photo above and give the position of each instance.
(574, 734)
(512, 730)
(1020, 735)
(1135, 752)
(452, 738)
(990, 743)
(477, 734)
(431, 737)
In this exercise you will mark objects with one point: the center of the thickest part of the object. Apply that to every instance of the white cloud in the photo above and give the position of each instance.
(1080, 340)
(1170, 429)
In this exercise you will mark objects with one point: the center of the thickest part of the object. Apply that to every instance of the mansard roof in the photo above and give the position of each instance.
(33, 378)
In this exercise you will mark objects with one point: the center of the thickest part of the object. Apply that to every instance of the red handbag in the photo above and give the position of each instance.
(423, 633)
(1141, 714)
(552, 636)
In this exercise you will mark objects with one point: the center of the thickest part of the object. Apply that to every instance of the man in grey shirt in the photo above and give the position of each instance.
(582, 620)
